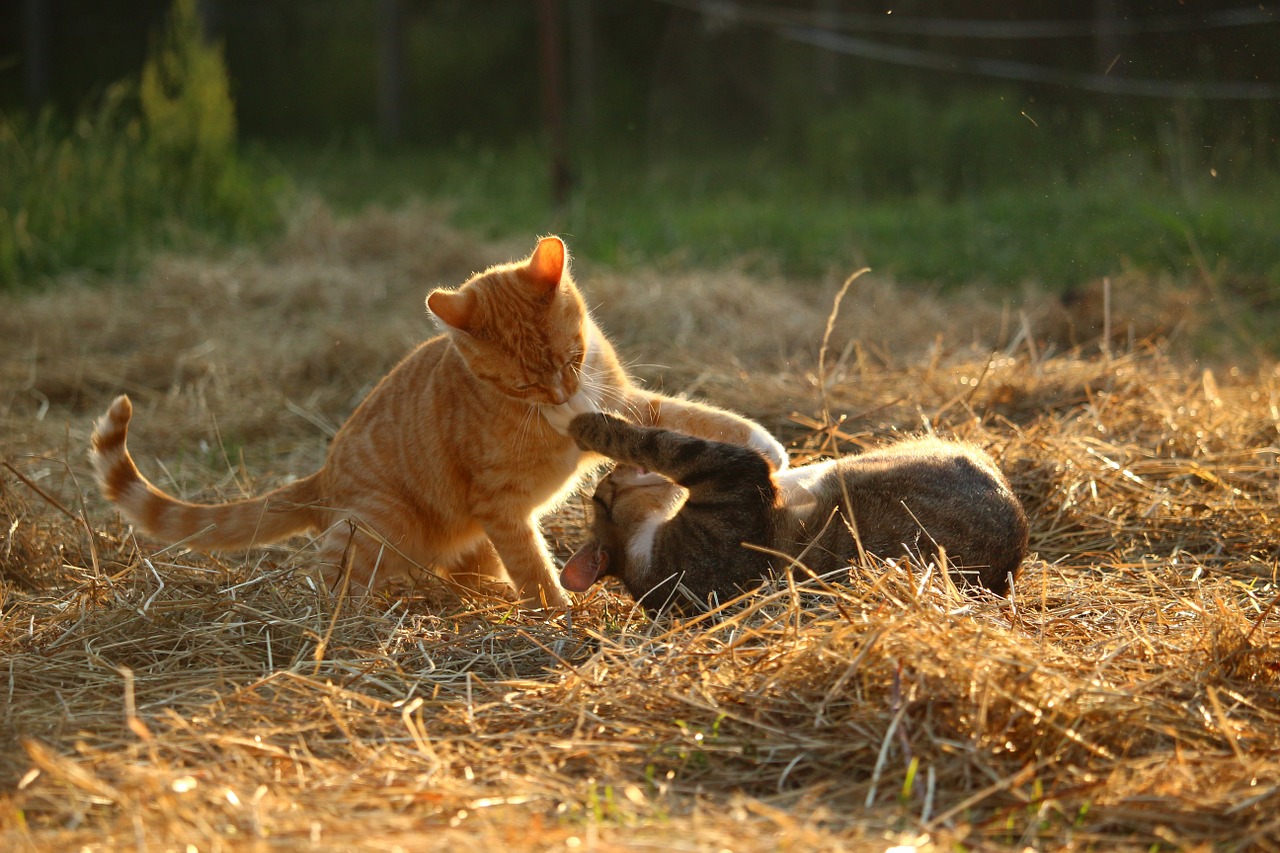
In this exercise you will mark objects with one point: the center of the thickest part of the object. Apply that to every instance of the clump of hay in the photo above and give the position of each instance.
(1124, 697)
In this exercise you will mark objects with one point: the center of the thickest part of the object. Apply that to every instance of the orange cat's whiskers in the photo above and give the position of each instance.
(646, 365)
(526, 426)
(605, 395)
(594, 382)
(440, 465)
(634, 410)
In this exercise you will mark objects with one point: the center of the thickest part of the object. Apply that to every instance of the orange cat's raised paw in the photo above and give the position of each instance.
(770, 448)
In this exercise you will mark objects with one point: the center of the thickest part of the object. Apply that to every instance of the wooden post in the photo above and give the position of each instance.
(390, 70)
(551, 66)
(582, 64)
(35, 54)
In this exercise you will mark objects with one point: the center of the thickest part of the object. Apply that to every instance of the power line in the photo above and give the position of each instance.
(1028, 73)
(728, 12)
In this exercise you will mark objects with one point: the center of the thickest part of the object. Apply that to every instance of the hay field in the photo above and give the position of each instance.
(1125, 697)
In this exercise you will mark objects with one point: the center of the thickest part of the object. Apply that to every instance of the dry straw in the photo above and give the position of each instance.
(1123, 698)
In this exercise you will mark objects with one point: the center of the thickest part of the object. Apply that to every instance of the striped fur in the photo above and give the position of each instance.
(448, 463)
(708, 528)
(277, 515)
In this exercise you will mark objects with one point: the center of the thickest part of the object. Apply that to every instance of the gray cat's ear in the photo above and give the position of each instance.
(455, 308)
(546, 266)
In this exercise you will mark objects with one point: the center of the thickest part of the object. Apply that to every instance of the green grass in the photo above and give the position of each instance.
(150, 163)
(752, 210)
(94, 196)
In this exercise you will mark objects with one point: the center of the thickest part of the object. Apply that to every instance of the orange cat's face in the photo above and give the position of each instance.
(520, 326)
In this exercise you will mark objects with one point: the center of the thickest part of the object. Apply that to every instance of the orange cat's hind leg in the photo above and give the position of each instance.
(362, 560)
(353, 556)
(480, 571)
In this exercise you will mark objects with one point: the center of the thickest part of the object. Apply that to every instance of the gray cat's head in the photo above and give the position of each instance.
(627, 510)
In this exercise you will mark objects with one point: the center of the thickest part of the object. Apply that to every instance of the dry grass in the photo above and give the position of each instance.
(1124, 698)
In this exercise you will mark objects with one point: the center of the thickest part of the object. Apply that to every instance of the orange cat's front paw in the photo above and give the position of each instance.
(547, 598)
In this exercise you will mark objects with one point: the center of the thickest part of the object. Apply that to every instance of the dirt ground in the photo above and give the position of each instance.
(1124, 697)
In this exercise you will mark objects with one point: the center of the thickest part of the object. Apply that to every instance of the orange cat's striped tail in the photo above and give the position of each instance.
(277, 515)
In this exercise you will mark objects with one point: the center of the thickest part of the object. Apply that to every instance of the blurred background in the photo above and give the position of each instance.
(1003, 145)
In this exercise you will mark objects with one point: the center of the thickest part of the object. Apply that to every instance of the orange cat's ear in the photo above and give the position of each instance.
(455, 307)
(546, 265)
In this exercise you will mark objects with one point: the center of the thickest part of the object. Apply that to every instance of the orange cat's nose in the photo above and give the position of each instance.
(560, 390)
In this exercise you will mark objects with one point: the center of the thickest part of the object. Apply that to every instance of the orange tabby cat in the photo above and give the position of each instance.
(448, 463)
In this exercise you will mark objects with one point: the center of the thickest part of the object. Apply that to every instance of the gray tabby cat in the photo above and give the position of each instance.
(683, 544)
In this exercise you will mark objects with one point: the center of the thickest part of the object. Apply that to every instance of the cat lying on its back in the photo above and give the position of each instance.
(683, 544)
(447, 464)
